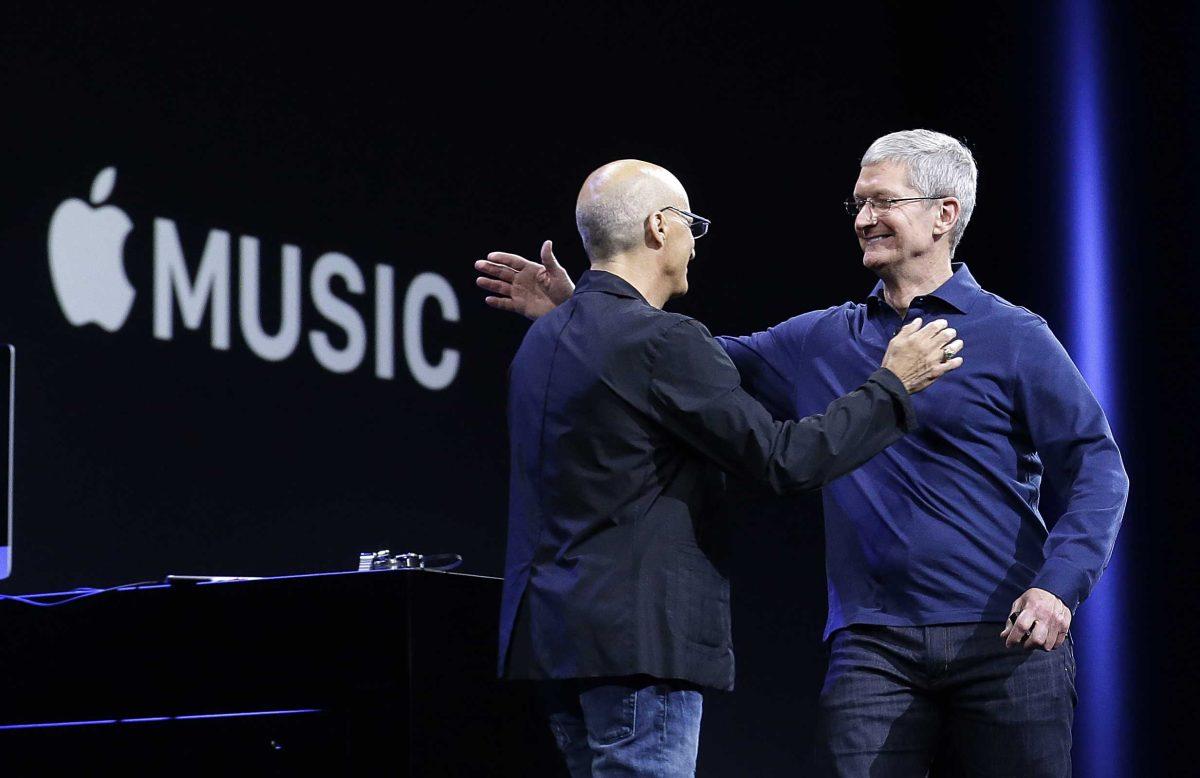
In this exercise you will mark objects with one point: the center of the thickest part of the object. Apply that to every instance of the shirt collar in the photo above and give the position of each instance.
(610, 283)
(959, 291)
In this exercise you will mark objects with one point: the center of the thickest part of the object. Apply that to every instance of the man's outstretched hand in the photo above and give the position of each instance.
(524, 287)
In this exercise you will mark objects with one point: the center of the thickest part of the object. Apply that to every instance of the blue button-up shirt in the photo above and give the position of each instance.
(944, 526)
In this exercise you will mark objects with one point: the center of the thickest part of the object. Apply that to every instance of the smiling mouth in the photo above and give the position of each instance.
(873, 239)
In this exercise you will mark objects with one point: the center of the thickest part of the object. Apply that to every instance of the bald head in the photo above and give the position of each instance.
(615, 200)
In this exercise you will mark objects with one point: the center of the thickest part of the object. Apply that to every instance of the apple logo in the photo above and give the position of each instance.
(87, 258)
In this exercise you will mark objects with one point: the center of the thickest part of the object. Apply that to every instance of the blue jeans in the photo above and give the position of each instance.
(636, 726)
(900, 700)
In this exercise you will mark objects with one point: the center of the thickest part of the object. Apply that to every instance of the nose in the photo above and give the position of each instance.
(865, 218)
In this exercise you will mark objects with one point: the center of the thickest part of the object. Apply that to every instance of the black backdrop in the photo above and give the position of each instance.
(423, 140)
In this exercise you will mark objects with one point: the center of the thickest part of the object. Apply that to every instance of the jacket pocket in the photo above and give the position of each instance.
(697, 599)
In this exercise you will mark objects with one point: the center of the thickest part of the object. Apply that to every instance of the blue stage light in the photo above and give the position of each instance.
(1102, 731)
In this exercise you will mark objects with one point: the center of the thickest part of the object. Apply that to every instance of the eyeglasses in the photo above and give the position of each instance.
(855, 204)
(696, 223)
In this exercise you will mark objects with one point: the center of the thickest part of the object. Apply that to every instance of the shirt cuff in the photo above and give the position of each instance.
(906, 415)
(1065, 581)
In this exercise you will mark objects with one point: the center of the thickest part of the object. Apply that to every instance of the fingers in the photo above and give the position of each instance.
(1018, 632)
(496, 270)
(516, 262)
(548, 258)
(941, 368)
(494, 286)
(1040, 636)
(1064, 618)
(912, 326)
(502, 303)
(1015, 612)
(953, 347)
(1021, 629)
(933, 329)
(1038, 620)
(945, 339)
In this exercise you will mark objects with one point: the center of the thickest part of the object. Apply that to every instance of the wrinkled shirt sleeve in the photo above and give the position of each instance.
(1072, 436)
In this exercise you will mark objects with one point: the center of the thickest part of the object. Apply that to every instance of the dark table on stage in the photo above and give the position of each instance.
(392, 672)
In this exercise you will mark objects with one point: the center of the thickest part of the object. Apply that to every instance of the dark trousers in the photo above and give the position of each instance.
(900, 700)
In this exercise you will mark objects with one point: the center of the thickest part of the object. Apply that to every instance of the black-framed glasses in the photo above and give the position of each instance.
(695, 222)
(882, 205)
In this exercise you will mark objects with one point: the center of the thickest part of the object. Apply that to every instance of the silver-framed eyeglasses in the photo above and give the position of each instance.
(879, 205)
(695, 222)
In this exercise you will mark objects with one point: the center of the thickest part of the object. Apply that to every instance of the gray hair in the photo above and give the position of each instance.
(615, 221)
(938, 166)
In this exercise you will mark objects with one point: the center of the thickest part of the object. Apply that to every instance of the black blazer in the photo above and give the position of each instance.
(621, 419)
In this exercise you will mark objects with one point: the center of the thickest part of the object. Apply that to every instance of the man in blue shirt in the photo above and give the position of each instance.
(943, 577)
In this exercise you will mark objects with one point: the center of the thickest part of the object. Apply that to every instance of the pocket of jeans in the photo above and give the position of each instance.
(610, 713)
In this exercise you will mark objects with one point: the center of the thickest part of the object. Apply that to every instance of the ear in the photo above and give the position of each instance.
(947, 216)
(656, 230)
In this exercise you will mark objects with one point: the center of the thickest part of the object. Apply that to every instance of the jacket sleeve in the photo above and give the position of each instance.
(695, 393)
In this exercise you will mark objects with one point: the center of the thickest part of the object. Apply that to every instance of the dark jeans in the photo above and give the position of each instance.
(898, 700)
(636, 726)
